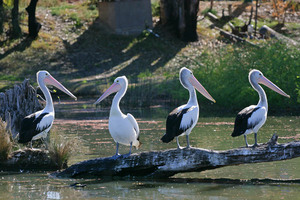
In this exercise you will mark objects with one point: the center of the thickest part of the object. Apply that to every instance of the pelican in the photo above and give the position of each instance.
(252, 118)
(183, 119)
(123, 128)
(37, 125)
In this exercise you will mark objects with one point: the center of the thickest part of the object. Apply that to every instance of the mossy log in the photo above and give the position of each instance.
(164, 164)
(16, 103)
(29, 160)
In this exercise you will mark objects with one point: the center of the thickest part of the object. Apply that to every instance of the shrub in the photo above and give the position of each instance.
(60, 148)
(226, 74)
(5, 142)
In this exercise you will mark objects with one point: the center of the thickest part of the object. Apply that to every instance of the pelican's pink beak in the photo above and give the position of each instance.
(115, 87)
(200, 88)
(272, 86)
(49, 80)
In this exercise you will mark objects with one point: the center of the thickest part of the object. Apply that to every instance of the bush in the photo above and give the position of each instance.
(60, 148)
(5, 142)
(226, 74)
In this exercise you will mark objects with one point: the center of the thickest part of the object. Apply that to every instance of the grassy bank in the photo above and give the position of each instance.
(85, 56)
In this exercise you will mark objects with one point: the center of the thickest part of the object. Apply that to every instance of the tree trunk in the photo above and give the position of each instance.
(17, 103)
(16, 30)
(33, 26)
(181, 16)
(163, 164)
(1, 16)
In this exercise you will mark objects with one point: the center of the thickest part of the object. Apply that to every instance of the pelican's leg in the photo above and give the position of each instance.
(188, 141)
(31, 144)
(245, 136)
(178, 145)
(255, 136)
(126, 155)
(117, 152)
(130, 148)
(117, 149)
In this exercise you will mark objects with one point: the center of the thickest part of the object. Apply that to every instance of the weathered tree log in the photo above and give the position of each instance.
(163, 164)
(268, 32)
(17, 103)
(29, 160)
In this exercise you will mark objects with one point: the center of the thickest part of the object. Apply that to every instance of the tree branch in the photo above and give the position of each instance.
(163, 164)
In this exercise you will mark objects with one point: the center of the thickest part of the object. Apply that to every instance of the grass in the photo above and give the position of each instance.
(61, 148)
(5, 142)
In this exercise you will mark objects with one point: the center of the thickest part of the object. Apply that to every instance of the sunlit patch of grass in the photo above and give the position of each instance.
(46, 42)
(61, 148)
(79, 13)
(5, 142)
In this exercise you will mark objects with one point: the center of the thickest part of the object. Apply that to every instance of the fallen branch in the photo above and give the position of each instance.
(163, 164)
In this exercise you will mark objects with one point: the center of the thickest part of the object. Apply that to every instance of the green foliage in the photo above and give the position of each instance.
(155, 6)
(226, 75)
(207, 10)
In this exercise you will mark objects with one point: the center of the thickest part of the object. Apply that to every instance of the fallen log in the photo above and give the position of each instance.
(268, 32)
(234, 38)
(164, 164)
(29, 160)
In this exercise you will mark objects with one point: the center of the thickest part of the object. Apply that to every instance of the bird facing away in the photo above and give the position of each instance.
(183, 119)
(253, 117)
(37, 125)
(124, 129)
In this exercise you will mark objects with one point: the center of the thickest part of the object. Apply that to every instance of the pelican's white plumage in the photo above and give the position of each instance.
(253, 117)
(184, 118)
(123, 128)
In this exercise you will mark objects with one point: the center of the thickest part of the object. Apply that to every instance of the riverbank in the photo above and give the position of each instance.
(81, 53)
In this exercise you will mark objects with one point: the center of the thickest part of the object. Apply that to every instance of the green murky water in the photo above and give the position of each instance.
(90, 125)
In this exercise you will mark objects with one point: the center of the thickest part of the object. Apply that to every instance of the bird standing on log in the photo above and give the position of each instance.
(37, 125)
(252, 118)
(123, 128)
(183, 119)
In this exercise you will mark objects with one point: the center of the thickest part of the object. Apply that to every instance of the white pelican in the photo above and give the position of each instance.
(182, 120)
(38, 124)
(123, 128)
(252, 118)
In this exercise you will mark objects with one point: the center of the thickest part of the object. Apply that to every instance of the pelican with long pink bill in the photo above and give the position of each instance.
(37, 125)
(252, 118)
(183, 119)
(123, 128)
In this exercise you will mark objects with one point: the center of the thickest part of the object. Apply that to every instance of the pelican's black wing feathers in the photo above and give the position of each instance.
(173, 128)
(29, 127)
(241, 121)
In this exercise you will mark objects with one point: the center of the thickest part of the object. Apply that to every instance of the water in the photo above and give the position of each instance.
(90, 124)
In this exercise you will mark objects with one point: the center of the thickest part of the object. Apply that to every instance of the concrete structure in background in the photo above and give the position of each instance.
(126, 17)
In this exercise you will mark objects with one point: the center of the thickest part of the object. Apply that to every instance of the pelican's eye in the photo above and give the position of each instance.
(47, 74)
